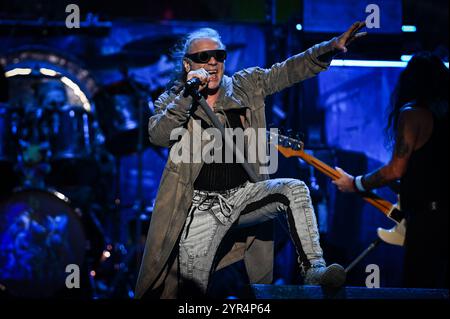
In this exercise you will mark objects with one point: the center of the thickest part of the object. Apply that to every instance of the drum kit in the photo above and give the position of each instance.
(54, 159)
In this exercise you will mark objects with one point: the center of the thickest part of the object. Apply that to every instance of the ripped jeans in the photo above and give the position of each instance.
(212, 214)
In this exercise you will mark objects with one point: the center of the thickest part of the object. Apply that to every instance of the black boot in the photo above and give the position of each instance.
(331, 276)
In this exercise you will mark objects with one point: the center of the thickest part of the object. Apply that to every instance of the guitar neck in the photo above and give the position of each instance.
(383, 205)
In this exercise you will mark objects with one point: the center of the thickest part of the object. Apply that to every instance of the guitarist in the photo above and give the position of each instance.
(418, 122)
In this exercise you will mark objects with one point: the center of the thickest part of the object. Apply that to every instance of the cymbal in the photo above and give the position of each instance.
(143, 52)
(123, 58)
(138, 53)
(157, 45)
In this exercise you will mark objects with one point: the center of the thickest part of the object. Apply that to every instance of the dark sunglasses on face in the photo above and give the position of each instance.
(205, 56)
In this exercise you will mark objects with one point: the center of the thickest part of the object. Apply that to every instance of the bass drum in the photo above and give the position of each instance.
(40, 235)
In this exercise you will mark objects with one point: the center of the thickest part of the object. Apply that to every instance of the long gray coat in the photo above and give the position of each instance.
(245, 89)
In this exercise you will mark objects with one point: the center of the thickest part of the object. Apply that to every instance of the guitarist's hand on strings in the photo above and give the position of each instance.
(345, 183)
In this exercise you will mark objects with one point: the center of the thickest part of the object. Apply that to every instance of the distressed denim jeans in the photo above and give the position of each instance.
(213, 214)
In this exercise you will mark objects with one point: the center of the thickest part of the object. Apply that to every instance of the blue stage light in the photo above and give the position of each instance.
(369, 63)
(409, 28)
(375, 63)
(406, 58)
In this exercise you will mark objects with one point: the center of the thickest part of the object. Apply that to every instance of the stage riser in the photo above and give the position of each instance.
(317, 292)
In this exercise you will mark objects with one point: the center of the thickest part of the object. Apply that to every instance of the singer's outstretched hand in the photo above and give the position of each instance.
(202, 75)
(349, 36)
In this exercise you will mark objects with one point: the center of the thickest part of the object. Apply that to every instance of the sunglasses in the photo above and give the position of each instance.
(205, 56)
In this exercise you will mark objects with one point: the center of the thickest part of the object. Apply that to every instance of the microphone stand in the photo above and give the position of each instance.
(191, 89)
(372, 246)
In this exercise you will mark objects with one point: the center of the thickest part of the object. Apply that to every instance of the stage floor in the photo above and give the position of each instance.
(317, 292)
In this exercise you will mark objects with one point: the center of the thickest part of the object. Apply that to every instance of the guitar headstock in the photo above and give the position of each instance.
(286, 145)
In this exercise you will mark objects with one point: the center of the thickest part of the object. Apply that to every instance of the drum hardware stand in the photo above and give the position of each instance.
(139, 209)
(372, 246)
(116, 231)
(140, 213)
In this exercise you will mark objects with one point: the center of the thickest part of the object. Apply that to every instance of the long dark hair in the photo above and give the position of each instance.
(423, 82)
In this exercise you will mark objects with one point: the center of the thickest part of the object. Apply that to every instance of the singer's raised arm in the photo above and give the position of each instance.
(289, 72)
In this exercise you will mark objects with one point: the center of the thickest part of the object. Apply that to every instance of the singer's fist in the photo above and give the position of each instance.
(202, 75)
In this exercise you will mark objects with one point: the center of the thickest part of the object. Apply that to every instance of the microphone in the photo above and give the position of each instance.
(193, 83)
(191, 86)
